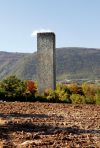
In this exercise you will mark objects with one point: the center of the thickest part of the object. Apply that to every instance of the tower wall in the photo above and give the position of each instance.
(46, 61)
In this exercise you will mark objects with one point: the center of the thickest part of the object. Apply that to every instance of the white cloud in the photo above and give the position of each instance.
(38, 31)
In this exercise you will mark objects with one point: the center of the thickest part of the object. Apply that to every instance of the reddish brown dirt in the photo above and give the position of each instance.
(49, 125)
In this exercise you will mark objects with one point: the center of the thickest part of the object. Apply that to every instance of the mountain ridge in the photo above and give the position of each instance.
(71, 62)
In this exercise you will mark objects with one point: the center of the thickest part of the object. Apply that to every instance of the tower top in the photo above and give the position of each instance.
(46, 33)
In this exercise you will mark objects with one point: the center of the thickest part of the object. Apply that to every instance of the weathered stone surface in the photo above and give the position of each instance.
(46, 61)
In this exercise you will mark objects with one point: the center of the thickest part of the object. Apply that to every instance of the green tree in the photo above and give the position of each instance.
(10, 85)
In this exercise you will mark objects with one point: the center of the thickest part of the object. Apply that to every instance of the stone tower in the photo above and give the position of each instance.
(46, 57)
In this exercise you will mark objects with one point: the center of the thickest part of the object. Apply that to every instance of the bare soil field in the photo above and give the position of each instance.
(49, 125)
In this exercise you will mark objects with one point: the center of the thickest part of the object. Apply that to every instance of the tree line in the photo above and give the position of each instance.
(13, 89)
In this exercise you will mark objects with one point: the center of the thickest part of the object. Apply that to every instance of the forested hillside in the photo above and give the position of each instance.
(70, 63)
(8, 60)
(78, 63)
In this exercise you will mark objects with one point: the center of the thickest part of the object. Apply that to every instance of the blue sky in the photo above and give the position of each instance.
(76, 23)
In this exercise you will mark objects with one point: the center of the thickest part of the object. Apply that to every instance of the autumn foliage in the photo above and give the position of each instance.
(31, 87)
(12, 89)
(74, 88)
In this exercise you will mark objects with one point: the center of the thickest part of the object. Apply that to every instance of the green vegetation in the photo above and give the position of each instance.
(84, 94)
(71, 63)
(13, 89)
(11, 85)
(78, 63)
(10, 63)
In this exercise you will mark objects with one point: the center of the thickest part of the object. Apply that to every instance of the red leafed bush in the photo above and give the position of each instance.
(74, 88)
(31, 87)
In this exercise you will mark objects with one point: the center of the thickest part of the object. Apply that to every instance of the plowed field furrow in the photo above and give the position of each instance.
(49, 125)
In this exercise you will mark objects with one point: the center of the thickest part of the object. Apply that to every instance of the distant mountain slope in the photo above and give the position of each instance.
(71, 62)
(78, 62)
(25, 68)
(8, 60)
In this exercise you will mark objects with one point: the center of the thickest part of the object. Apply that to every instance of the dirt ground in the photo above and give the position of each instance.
(49, 125)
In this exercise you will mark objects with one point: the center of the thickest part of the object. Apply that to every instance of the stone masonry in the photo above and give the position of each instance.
(46, 61)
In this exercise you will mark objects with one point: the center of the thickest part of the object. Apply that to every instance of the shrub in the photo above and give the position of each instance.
(74, 88)
(2, 94)
(77, 99)
(31, 88)
(98, 99)
(47, 92)
(65, 99)
(50, 95)
(58, 87)
(63, 87)
(63, 93)
(10, 85)
(30, 92)
(90, 99)
(90, 90)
